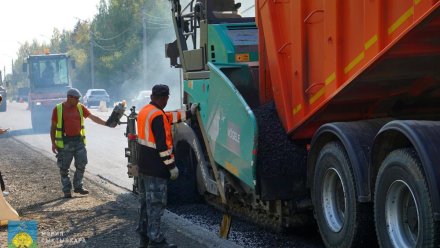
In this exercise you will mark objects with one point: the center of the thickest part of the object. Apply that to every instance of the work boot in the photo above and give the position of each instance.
(82, 191)
(143, 241)
(67, 195)
(162, 244)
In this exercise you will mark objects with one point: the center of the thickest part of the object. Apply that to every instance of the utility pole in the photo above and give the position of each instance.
(13, 78)
(92, 58)
(144, 45)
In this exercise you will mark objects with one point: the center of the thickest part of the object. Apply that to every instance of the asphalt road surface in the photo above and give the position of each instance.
(107, 160)
(105, 146)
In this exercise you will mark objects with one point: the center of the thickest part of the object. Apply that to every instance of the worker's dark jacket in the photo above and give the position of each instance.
(2, 183)
(149, 161)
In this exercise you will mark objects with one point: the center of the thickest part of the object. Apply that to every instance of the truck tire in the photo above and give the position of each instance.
(342, 221)
(402, 204)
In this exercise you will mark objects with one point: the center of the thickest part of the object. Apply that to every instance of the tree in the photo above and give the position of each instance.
(116, 34)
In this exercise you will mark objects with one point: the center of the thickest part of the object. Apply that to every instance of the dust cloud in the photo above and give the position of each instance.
(159, 70)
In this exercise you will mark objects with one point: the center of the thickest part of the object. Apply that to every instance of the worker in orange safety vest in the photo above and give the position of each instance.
(156, 163)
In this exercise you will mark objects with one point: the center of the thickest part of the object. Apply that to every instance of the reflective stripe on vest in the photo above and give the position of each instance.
(145, 139)
(176, 116)
(169, 161)
(145, 134)
(59, 130)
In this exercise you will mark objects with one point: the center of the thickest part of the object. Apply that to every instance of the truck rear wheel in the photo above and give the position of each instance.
(342, 221)
(402, 203)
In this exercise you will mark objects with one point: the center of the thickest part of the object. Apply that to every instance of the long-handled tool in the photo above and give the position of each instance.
(6, 211)
(226, 220)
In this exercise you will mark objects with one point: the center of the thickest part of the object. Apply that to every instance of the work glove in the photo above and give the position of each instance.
(174, 172)
(194, 107)
(111, 122)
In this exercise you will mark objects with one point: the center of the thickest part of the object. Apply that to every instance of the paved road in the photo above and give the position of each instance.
(105, 145)
(106, 160)
(107, 217)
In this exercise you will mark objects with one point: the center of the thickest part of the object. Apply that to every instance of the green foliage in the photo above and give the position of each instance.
(116, 34)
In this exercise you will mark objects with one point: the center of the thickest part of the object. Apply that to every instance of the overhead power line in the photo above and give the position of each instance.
(111, 38)
(110, 48)
(156, 17)
(158, 24)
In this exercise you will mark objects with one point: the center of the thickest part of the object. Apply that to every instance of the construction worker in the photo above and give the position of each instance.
(68, 140)
(2, 183)
(2, 131)
(156, 164)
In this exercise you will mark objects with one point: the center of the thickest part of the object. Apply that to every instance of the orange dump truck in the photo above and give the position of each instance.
(322, 106)
(337, 69)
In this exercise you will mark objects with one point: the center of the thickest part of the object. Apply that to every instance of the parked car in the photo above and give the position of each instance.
(94, 96)
(141, 99)
(3, 93)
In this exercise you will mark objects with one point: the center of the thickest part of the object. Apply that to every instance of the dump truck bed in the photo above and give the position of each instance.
(327, 61)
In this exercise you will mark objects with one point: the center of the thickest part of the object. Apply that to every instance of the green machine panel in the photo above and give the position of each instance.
(232, 43)
(230, 123)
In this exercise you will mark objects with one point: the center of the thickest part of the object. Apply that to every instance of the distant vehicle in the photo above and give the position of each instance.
(3, 93)
(48, 82)
(141, 99)
(22, 94)
(94, 96)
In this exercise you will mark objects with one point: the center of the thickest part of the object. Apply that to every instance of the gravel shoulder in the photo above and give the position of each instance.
(107, 217)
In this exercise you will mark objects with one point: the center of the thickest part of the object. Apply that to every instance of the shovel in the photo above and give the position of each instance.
(6, 211)
(225, 226)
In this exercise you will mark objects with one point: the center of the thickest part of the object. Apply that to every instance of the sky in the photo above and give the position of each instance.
(26, 20)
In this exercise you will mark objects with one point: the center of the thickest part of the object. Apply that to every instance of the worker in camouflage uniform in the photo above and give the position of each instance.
(2, 131)
(156, 164)
(69, 140)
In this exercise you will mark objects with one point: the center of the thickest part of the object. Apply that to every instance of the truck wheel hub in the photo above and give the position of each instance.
(402, 215)
(333, 199)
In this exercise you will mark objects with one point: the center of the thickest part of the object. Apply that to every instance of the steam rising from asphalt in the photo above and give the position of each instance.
(158, 67)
